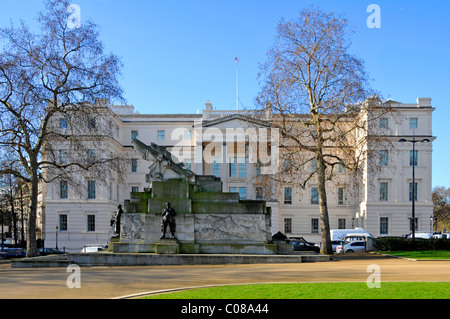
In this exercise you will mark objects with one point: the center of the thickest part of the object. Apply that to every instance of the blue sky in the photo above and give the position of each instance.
(178, 54)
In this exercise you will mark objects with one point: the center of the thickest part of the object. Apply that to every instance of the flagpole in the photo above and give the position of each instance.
(237, 83)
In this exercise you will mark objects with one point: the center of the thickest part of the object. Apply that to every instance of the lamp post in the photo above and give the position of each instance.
(3, 239)
(414, 141)
(56, 238)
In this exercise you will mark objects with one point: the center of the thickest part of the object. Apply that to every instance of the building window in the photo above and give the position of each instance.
(63, 189)
(242, 169)
(134, 165)
(383, 191)
(259, 193)
(187, 135)
(288, 225)
(384, 122)
(237, 167)
(416, 224)
(188, 164)
(62, 123)
(232, 167)
(413, 158)
(313, 165)
(216, 167)
(287, 165)
(341, 223)
(340, 168)
(384, 159)
(341, 196)
(91, 189)
(288, 195)
(232, 189)
(90, 223)
(91, 156)
(243, 192)
(384, 225)
(110, 191)
(135, 189)
(413, 123)
(161, 135)
(91, 123)
(63, 222)
(63, 160)
(314, 225)
(314, 196)
(411, 192)
(134, 135)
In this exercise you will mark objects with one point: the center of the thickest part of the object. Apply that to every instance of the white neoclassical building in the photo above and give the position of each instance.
(380, 203)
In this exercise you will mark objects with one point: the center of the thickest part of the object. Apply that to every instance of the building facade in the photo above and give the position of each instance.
(208, 144)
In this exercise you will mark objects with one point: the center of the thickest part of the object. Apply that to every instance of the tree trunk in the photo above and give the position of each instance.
(31, 231)
(325, 247)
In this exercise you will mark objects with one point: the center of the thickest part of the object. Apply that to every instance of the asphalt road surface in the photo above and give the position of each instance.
(113, 282)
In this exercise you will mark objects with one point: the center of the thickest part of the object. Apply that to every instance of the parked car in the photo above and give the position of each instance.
(442, 236)
(49, 251)
(13, 253)
(421, 235)
(334, 244)
(300, 244)
(352, 247)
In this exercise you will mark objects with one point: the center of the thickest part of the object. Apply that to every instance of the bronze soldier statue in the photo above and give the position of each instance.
(116, 222)
(168, 219)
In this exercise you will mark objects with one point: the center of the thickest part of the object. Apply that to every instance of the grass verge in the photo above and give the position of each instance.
(422, 254)
(343, 290)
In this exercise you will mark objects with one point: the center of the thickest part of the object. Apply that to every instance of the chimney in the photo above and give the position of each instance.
(423, 102)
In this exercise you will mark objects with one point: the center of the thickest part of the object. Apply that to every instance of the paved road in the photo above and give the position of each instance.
(110, 282)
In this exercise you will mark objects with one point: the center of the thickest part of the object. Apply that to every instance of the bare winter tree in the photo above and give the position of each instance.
(55, 74)
(321, 101)
(441, 210)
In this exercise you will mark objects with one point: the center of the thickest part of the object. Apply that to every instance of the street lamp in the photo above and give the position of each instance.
(413, 141)
(56, 238)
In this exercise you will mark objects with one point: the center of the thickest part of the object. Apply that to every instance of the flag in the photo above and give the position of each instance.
(237, 60)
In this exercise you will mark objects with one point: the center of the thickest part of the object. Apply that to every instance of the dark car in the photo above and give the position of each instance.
(13, 253)
(300, 244)
(49, 251)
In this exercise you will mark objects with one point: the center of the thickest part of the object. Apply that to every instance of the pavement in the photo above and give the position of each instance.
(116, 282)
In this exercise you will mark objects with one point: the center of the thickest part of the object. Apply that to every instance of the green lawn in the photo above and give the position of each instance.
(354, 290)
(424, 254)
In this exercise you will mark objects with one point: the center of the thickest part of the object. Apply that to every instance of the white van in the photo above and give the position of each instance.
(93, 248)
(338, 234)
(356, 237)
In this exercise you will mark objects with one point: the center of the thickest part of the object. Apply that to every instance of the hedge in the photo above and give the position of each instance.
(407, 244)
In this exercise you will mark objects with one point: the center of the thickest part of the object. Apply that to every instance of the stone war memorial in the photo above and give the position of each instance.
(205, 220)
(183, 218)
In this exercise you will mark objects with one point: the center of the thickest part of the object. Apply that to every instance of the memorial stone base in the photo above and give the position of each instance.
(208, 221)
